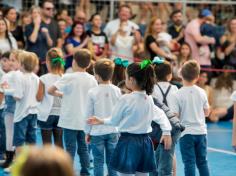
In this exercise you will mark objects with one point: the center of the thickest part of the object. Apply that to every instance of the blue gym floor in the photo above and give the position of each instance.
(222, 159)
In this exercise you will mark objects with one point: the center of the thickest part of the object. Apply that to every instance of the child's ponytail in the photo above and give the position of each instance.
(144, 75)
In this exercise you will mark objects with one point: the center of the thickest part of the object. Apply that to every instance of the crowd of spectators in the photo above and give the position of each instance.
(140, 30)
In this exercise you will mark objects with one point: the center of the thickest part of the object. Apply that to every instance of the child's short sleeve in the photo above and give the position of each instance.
(205, 99)
(174, 104)
(233, 96)
(63, 84)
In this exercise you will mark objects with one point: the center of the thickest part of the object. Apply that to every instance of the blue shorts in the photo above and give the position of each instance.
(25, 131)
(50, 124)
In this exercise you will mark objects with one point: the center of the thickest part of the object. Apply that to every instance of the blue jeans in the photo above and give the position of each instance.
(194, 152)
(25, 131)
(100, 144)
(2, 135)
(71, 137)
(164, 158)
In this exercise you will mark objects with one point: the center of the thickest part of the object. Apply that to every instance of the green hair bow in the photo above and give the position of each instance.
(58, 59)
(121, 62)
(145, 63)
(158, 60)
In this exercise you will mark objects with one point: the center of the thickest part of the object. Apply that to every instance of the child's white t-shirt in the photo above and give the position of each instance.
(164, 86)
(75, 87)
(101, 100)
(45, 106)
(25, 89)
(189, 103)
(233, 96)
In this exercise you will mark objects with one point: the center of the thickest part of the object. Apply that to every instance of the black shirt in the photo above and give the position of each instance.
(54, 31)
(18, 34)
(99, 41)
(174, 33)
(149, 40)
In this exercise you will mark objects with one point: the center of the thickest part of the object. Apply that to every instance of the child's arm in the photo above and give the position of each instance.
(54, 91)
(41, 91)
(207, 112)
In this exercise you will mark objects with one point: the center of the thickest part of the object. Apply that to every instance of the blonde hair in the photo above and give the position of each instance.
(149, 30)
(52, 54)
(29, 60)
(16, 53)
(46, 161)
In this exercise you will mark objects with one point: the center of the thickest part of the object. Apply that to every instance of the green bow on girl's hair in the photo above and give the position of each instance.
(58, 59)
(158, 60)
(145, 63)
(121, 62)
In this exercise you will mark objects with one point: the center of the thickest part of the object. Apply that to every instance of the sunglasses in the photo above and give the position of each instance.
(49, 8)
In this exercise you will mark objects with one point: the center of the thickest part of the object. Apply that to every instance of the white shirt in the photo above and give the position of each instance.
(233, 96)
(25, 89)
(5, 45)
(101, 101)
(123, 47)
(135, 112)
(1, 90)
(75, 87)
(45, 105)
(189, 103)
(113, 26)
(164, 86)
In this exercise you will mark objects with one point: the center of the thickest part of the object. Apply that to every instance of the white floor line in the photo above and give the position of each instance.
(221, 151)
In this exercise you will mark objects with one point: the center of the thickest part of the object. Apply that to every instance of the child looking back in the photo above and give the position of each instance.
(75, 87)
(101, 100)
(191, 104)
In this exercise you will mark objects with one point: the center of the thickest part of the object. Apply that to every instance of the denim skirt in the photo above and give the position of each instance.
(133, 153)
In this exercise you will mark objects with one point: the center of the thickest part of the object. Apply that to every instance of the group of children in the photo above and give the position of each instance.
(83, 109)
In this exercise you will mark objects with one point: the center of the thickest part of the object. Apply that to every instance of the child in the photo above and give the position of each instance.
(9, 107)
(75, 87)
(191, 104)
(133, 115)
(101, 101)
(119, 70)
(46, 161)
(163, 89)
(166, 160)
(24, 90)
(49, 108)
(4, 68)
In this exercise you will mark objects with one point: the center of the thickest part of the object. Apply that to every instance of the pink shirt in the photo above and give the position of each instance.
(201, 53)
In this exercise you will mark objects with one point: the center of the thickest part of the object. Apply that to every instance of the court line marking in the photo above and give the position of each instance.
(221, 151)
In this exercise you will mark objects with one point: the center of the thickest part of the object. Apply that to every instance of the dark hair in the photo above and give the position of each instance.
(162, 71)
(82, 58)
(225, 80)
(118, 75)
(190, 70)
(45, 1)
(145, 78)
(104, 68)
(175, 12)
(93, 15)
(71, 34)
(6, 55)
(7, 33)
(52, 54)
(6, 11)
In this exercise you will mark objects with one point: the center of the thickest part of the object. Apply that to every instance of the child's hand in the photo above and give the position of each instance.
(87, 138)
(167, 141)
(94, 121)
(5, 85)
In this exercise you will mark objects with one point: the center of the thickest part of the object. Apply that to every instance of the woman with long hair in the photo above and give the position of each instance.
(10, 14)
(7, 41)
(76, 40)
